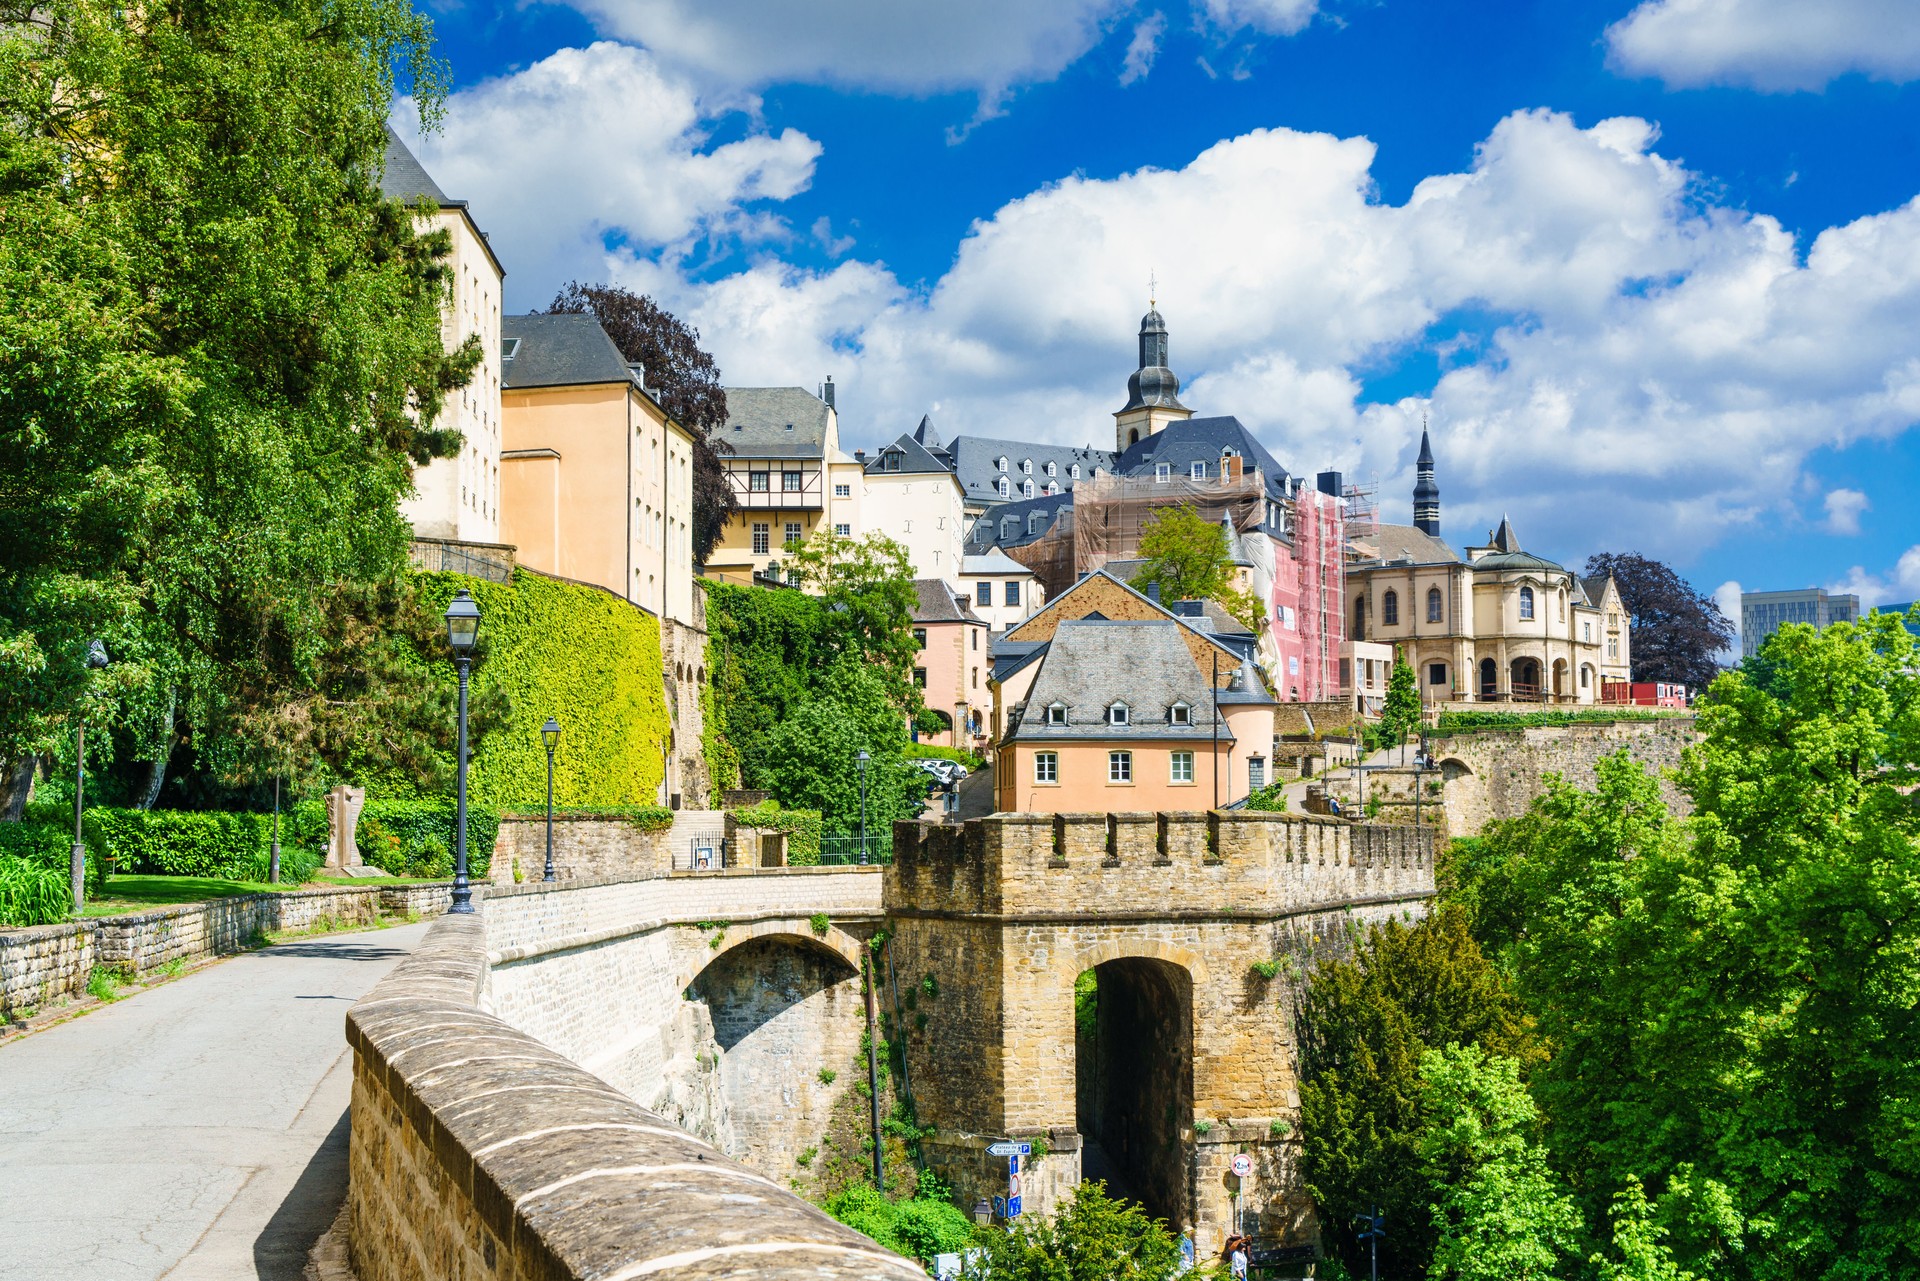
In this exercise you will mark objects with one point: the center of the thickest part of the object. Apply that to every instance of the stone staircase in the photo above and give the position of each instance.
(692, 828)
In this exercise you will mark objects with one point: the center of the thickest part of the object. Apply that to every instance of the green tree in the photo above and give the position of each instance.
(920, 1227)
(811, 755)
(1094, 1237)
(867, 602)
(1363, 1023)
(1401, 715)
(1500, 1213)
(220, 351)
(1189, 558)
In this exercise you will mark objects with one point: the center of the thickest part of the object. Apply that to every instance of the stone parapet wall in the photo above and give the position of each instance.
(585, 848)
(1493, 775)
(478, 1151)
(55, 961)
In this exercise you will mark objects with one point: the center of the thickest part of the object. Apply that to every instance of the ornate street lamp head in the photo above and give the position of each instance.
(463, 622)
(550, 733)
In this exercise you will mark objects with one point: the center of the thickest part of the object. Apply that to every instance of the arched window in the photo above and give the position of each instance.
(1436, 612)
(1390, 609)
(1526, 602)
(1359, 617)
(1586, 678)
(1560, 596)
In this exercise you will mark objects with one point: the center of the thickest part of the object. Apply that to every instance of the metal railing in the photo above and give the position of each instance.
(719, 855)
(843, 851)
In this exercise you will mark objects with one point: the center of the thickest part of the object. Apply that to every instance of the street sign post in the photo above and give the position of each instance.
(1242, 1165)
(1008, 1148)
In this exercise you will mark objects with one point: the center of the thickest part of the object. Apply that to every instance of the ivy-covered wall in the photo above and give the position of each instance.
(581, 655)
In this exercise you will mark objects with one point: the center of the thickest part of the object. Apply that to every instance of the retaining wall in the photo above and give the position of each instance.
(1492, 775)
(584, 848)
(53, 962)
(478, 1151)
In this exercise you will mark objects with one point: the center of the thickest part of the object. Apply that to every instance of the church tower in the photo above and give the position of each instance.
(1153, 392)
(1426, 494)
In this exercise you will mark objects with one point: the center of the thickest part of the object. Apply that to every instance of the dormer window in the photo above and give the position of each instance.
(1117, 714)
(1052, 489)
(1056, 713)
(1074, 471)
(1163, 472)
(1006, 488)
(1026, 466)
(1197, 471)
(1001, 463)
(1026, 489)
(890, 461)
(1053, 469)
(1179, 714)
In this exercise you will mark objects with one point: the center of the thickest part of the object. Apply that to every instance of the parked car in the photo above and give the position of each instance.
(945, 772)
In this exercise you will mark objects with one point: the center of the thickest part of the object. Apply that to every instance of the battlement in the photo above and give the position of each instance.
(1099, 866)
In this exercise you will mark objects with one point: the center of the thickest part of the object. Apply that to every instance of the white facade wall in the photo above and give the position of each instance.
(923, 511)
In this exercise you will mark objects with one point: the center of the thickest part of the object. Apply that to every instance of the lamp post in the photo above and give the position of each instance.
(273, 855)
(862, 760)
(77, 867)
(463, 628)
(550, 734)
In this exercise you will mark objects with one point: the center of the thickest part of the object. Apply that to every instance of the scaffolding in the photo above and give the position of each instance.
(1320, 560)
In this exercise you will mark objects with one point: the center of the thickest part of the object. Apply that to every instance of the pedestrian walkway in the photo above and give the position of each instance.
(193, 1132)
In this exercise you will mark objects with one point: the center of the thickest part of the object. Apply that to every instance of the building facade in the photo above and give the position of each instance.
(598, 478)
(952, 666)
(781, 451)
(458, 498)
(1004, 592)
(913, 497)
(1764, 613)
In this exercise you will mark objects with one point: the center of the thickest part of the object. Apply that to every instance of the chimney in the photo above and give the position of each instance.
(826, 392)
(859, 455)
(1153, 592)
(1329, 483)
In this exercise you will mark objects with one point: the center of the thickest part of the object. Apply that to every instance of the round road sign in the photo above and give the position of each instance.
(1242, 1165)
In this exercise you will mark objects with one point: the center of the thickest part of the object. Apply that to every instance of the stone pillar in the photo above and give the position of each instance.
(343, 816)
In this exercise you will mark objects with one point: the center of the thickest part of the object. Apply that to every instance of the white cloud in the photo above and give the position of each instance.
(1898, 585)
(1727, 597)
(598, 143)
(1143, 48)
(1767, 44)
(1269, 17)
(1662, 368)
(1844, 509)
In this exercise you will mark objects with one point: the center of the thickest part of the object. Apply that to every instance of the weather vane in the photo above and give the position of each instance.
(1153, 290)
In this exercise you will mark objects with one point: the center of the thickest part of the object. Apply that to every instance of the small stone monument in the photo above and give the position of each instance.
(343, 816)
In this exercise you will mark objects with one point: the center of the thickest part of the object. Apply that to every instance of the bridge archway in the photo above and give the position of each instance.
(770, 1008)
(1133, 1082)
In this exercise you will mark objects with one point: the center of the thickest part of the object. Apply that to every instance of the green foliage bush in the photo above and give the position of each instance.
(178, 842)
(803, 828)
(921, 1227)
(648, 818)
(33, 892)
(1268, 799)
(1469, 721)
(1093, 1236)
(405, 837)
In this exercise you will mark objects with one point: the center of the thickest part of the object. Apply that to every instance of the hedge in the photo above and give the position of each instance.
(577, 653)
(407, 837)
(801, 826)
(34, 868)
(648, 818)
(1472, 722)
(178, 842)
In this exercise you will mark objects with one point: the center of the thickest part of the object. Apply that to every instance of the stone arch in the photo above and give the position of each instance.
(1489, 678)
(1120, 949)
(1560, 678)
(796, 932)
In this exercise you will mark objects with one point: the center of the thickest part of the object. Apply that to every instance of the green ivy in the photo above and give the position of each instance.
(404, 837)
(1472, 722)
(801, 826)
(579, 654)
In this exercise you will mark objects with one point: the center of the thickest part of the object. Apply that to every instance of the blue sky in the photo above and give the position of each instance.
(1586, 239)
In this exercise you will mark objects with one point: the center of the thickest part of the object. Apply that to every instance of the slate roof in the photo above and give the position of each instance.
(975, 461)
(775, 422)
(1516, 560)
(1406, 543)
(565, 350)
(1219, 621)
(992, 530)
(1200, 440)
(915, 459)
(404, 178)
(992, 562)
(939, 603)
(1092, 664)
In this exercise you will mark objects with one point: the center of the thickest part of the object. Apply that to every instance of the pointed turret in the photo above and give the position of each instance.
(1504, 539)
(1426, 494)
(1153, 390)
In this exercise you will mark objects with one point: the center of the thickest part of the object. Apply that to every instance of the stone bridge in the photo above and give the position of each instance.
(624, 1077)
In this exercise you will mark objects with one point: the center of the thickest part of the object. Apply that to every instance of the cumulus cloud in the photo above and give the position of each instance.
(596, 147)
(1727, 597)
(1269, 17)
(1844, 508)
(1767, 44)
(1656, 370)
(1143, 48)
(1896, 586)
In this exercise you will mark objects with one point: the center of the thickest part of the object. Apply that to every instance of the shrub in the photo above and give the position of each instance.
(178, 842)
(1266, 969)
(1480, 721)
(406, 838)
(920, 1228)
(801, 826)
(297, 865)
(1268, 799)
(32, 892)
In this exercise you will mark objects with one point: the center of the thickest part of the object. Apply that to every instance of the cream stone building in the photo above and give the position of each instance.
(598, 478)
(781, 450)
(1004, 592)
(458, 498)
(913, 497)
(1500, 625)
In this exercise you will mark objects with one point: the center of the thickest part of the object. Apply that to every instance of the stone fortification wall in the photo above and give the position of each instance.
(53, 962)
(584, 848)
(1496, 775)
(478, 1151)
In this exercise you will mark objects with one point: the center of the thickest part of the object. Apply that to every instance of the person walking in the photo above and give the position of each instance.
(1238, 1259)
(1186, 1251)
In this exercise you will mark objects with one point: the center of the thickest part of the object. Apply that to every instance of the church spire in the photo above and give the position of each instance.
(1426, 494)
(1153, 391)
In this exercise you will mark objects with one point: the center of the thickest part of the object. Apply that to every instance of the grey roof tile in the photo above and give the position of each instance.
(405, 179)
(940, 603)
(567, 349)
(775, 422)
(1090, 665)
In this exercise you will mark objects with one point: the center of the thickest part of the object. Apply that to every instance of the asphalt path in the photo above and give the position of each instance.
(195, 1131)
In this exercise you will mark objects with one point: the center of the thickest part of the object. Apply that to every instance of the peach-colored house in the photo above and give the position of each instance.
(1112, 703)
(598, 479)
(953, 665)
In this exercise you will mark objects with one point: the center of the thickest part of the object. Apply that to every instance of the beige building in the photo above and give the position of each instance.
(913, 497)
(781, 451)
(598, 479)
(1499, 625)
(459, 497)
(1004, 592)
(953, 661)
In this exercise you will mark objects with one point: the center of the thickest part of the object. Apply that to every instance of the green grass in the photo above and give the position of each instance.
(378, 880)
(132, 893)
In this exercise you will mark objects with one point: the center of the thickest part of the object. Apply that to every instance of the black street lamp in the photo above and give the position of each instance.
(550, 734)
(463, 628)
(273, 856)
(862, 759)
(77, 866)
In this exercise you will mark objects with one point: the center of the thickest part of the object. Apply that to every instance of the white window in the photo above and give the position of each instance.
(1586, 632)
(1179, 714)
(793, 534)
(1056, 714)
(1074, 471)
(1000, 463)
(1163, 472)
(843, 491)
(1026, 466)
(1181, 768)
(1006, 488)
(1256, 771)
(1119, 767)
(1198, 471)
(1117, 714)
(1053, 487)
(756, 482)
(761, 532)
(791, 481)
(1053, 469)
(1526, 602)
(1046, 767)
(844, 530)
(1026, 489)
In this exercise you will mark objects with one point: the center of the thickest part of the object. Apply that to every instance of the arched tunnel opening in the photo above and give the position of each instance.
(776, 1011)
(1134, 1081)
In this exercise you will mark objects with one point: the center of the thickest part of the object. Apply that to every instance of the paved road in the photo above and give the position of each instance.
(194, 1132)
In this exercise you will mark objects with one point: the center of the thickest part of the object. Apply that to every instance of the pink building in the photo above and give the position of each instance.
(952, 666)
